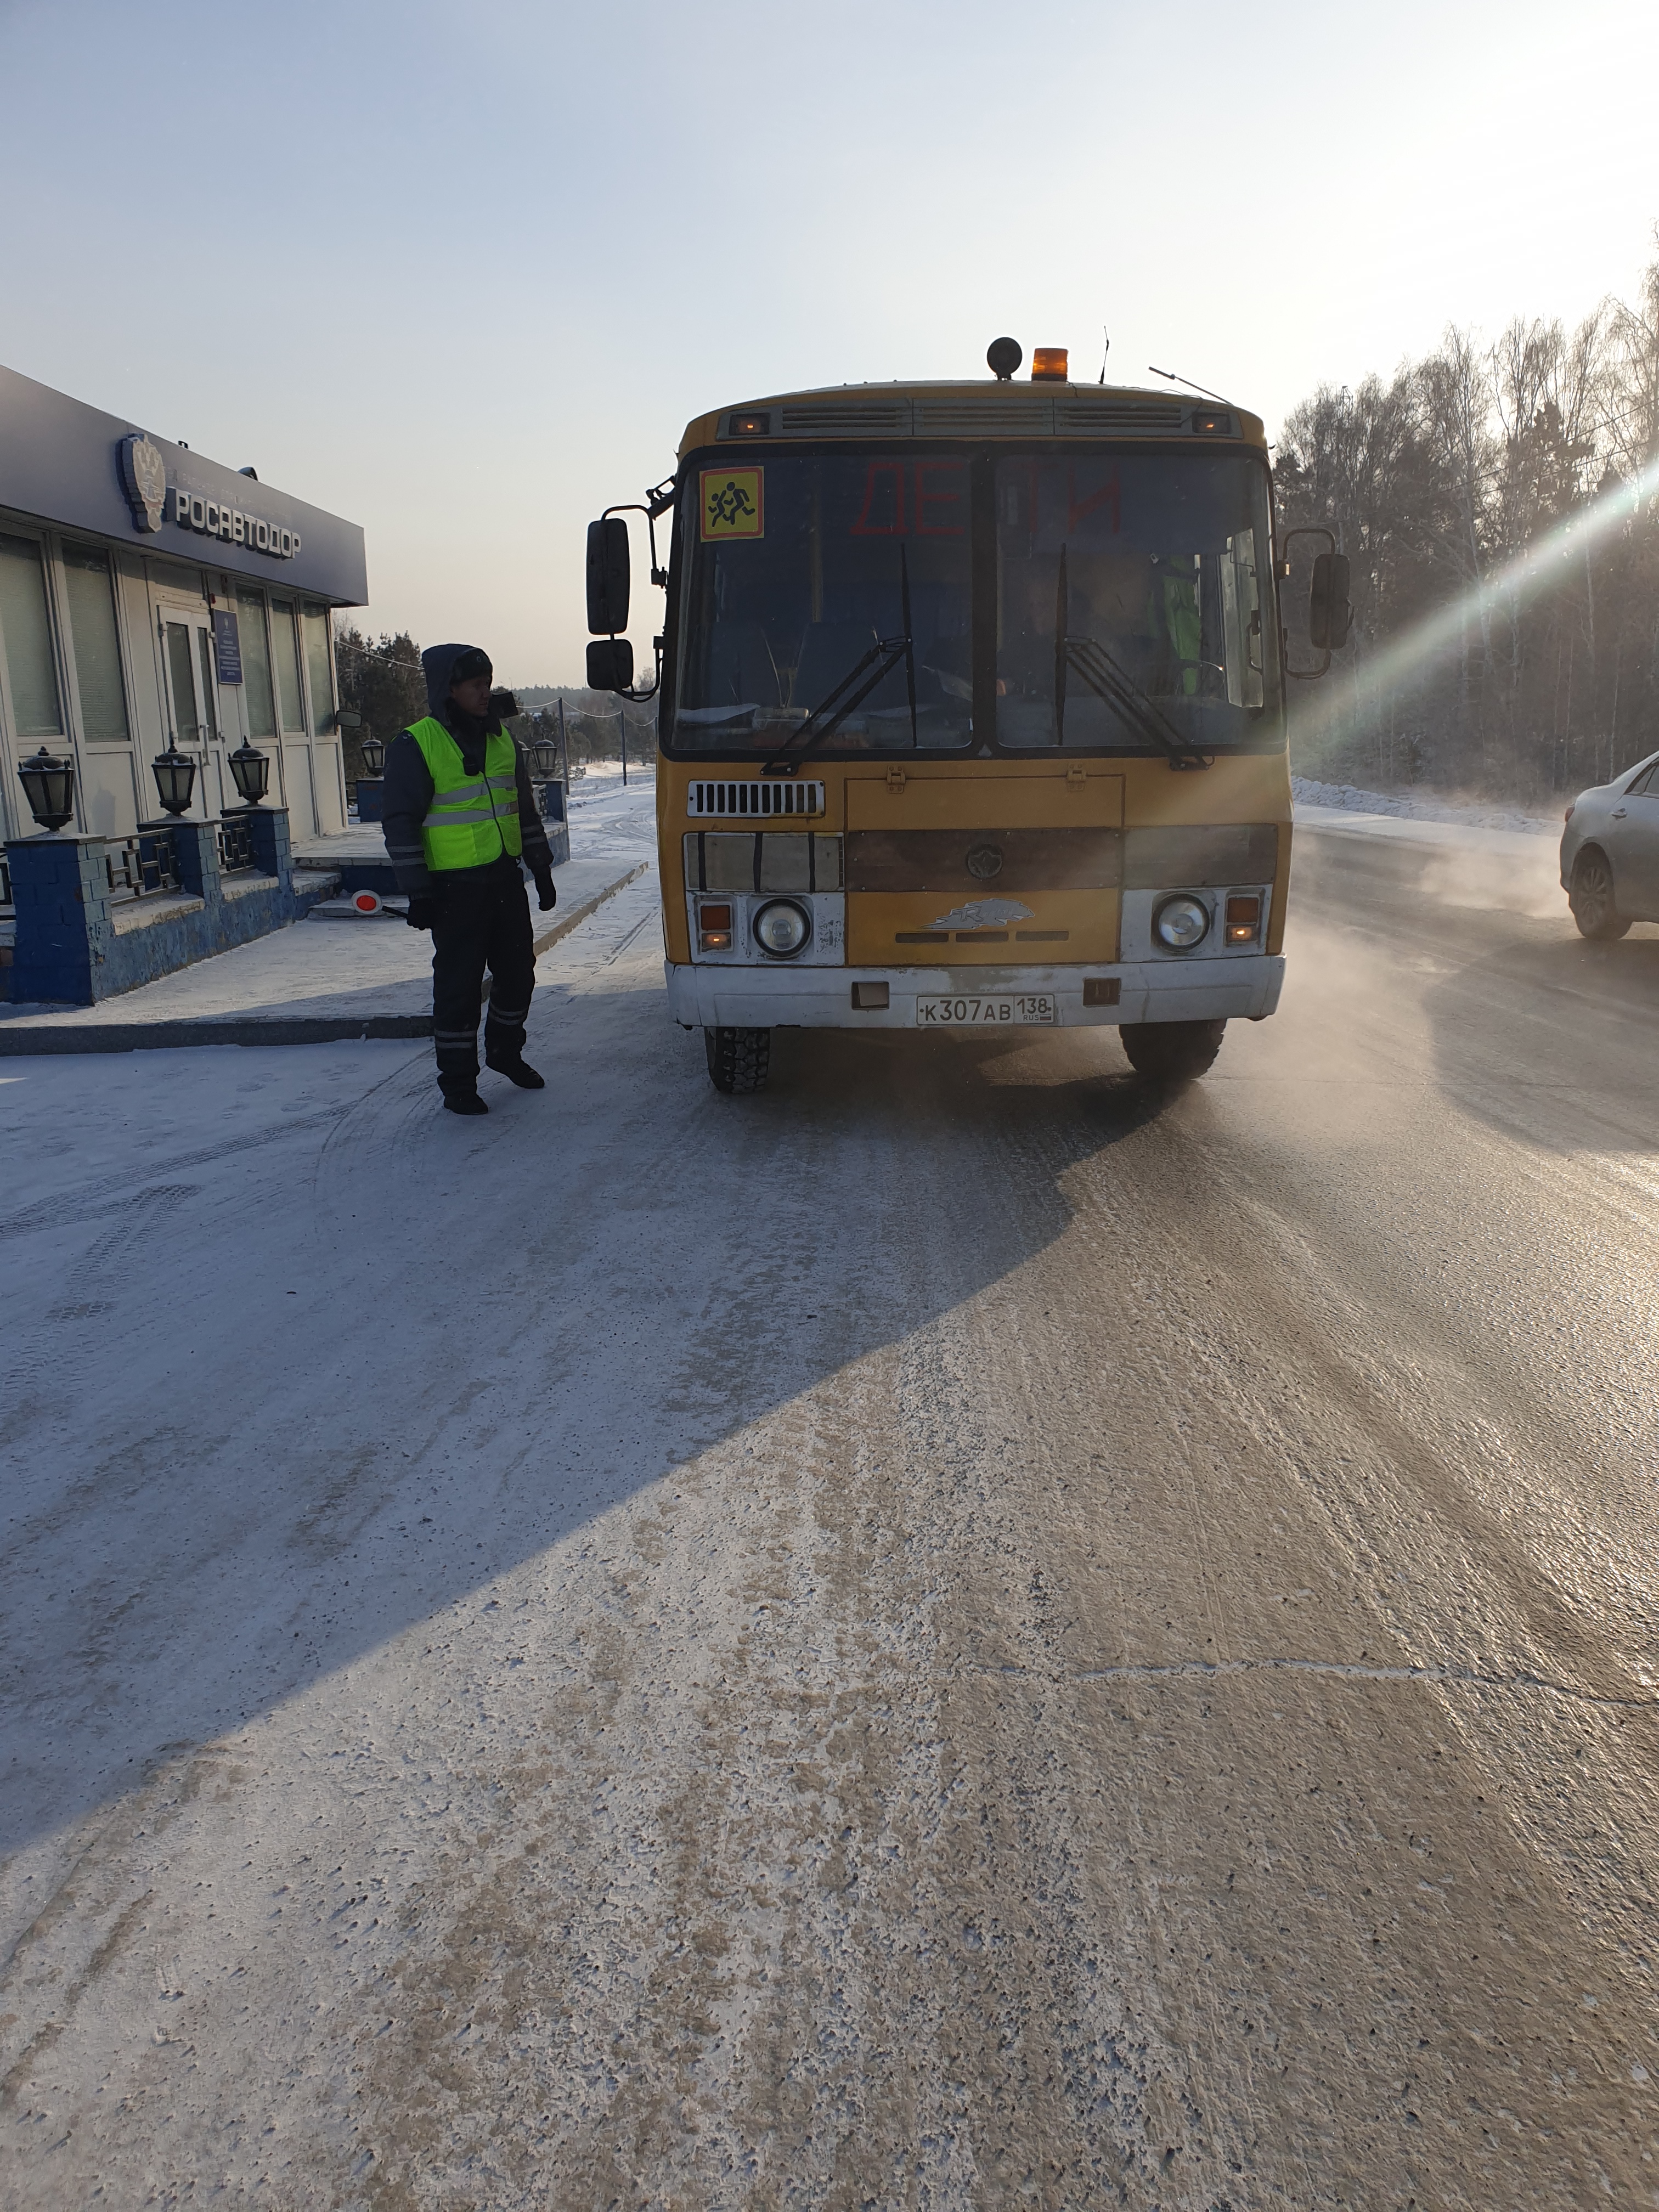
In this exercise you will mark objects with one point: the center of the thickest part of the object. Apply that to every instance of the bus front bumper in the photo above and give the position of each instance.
(1236, 986)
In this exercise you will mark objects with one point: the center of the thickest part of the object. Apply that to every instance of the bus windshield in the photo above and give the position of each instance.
(828, 602)
(801, 570)
(1131, 601)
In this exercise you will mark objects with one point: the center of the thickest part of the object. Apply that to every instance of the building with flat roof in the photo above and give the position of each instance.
(147, 593)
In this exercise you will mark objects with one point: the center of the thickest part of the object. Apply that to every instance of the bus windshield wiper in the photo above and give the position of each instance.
(1129, 702)
(849, 693)
(1115, 684)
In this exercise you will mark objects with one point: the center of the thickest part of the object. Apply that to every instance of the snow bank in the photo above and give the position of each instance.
(1412, 807)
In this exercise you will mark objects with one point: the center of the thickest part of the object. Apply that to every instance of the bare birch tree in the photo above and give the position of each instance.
(1505, 547)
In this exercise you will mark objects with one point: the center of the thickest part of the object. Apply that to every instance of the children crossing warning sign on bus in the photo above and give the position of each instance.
(733, 503)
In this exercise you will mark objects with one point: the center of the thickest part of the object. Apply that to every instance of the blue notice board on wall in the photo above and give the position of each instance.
(227, 645)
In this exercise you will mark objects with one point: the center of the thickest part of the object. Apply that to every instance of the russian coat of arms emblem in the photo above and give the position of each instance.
(145, 478)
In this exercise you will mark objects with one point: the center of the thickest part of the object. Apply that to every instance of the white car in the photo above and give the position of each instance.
(1610, 852)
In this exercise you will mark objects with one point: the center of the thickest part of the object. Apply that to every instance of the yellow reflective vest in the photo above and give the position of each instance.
(473, 819)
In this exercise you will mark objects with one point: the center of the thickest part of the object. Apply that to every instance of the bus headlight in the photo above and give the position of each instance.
(1181, 922)
(781, 927)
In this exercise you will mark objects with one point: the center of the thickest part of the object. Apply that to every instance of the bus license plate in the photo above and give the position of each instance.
(992, 1013)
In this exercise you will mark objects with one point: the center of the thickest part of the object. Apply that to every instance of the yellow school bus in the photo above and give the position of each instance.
(970, 715)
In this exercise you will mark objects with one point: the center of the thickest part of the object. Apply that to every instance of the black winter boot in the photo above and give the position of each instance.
(518, 1070)
(463, 1102)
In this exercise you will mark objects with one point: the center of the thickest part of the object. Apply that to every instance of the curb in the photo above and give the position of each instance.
(563, 924)
(17, 1042)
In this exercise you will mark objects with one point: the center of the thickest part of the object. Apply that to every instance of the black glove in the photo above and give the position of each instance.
(422, 909)
(547, 894)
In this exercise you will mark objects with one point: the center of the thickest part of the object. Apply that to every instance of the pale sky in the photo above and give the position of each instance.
(462, 273)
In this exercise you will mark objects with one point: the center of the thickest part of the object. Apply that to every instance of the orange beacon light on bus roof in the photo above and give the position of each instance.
(1049, 361)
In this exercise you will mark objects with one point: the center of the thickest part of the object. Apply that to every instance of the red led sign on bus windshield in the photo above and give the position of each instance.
(936, 506)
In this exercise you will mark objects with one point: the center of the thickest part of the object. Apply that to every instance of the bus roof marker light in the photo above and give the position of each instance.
(1048, 366)
(1003, 356)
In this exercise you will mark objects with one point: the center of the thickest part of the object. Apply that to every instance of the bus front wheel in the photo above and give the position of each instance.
(738, 1060)
(1172, 1051)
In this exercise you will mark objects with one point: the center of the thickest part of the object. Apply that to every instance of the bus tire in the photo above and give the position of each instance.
(738, 1060)
(1172, 1051)
(1594, 907)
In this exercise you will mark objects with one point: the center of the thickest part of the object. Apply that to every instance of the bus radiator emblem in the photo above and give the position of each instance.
(983, 913)
(984, 862)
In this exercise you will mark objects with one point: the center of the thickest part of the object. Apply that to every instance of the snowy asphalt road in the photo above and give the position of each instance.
(958, 1634)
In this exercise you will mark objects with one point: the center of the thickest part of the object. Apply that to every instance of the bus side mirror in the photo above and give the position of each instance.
(607, 576)
(1329, 614)
(610, 663)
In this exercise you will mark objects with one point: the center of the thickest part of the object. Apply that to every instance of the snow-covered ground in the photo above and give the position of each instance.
(1417, 806)
(1493, 857)
(659, 1649)
(603, 780)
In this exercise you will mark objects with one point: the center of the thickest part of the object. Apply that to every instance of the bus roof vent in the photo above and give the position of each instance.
(1022, 415)
(847, 418)
(752, 798)
(1083, 414)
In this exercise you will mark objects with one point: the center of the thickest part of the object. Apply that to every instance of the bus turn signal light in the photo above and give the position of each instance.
(1244, 919)
(714, 929)
(1049, 361)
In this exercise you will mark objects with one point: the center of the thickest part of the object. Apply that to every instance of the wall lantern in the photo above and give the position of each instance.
(544, 752)
(252, 769)
(373, 749)
(175, 778)
(49, 786)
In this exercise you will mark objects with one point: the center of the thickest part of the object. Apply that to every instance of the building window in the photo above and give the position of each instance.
(25, 633)
(257, 695)
(91, 595)
(318, 675)
(286, 645)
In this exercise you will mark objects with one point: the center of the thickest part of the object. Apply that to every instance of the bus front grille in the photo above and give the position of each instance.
(754, 798)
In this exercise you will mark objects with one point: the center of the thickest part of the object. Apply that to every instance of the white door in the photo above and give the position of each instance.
(193, 704)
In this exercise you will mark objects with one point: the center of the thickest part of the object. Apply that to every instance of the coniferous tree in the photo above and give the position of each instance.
(381, 680)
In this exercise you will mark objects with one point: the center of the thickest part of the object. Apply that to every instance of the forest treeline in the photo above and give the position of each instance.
(1499, 505)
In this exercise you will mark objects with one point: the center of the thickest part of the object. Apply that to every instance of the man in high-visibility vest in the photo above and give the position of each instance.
(459, 814)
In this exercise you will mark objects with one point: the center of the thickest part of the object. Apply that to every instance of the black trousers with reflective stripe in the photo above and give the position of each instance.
(483, 922)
